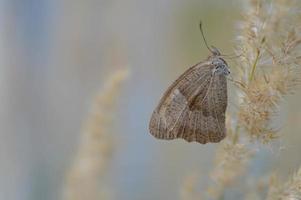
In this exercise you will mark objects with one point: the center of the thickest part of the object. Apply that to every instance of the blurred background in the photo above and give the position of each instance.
(56, 54)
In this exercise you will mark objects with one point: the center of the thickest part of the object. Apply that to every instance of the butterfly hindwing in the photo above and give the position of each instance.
(193, 107)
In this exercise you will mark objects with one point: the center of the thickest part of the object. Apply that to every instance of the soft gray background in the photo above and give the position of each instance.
(54, 57)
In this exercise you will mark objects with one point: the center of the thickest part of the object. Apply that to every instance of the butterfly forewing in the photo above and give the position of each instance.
(193, 107)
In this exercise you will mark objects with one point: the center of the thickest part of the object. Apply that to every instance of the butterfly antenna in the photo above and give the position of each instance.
(205, 38)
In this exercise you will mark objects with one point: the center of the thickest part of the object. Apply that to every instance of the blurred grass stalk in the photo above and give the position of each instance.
(83, 179)
(268, 69)
(189, 188)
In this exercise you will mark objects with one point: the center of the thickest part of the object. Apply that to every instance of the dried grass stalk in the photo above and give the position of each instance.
(84, 177)
(231, 162)
(269, 65)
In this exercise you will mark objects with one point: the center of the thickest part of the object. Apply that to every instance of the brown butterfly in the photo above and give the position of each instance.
(194, 106)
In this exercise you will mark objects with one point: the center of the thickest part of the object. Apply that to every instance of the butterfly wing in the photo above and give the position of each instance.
(193, 107)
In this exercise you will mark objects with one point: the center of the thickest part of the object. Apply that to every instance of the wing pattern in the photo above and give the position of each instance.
(193, 107)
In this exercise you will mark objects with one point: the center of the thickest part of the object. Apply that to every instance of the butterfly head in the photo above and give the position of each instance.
(220, 66)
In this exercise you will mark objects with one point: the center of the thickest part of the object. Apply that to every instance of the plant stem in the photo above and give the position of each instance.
(254, 65)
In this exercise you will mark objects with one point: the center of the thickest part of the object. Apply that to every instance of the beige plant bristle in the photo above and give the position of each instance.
(230, 162)
(290, 190)
(83, 180)
(269, 65)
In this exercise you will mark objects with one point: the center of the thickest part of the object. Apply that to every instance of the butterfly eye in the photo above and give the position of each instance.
(217, 69)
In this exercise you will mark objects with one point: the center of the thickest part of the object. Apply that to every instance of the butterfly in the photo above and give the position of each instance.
(193, 107)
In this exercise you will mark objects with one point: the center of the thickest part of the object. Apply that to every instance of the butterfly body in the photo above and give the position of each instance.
(193, 107)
